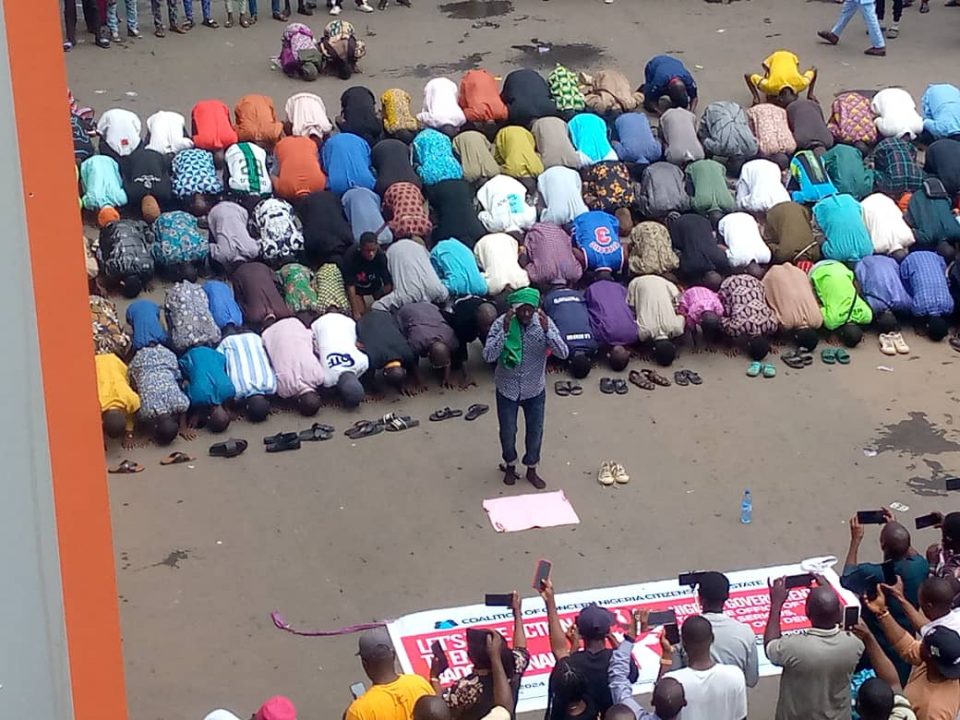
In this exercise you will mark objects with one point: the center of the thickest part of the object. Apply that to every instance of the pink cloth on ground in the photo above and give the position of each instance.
(522, 512)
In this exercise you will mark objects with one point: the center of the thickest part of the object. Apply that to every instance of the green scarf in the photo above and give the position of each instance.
(512, 353)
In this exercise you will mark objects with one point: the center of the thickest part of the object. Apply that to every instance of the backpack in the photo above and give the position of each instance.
(851, 119)
(811, 180)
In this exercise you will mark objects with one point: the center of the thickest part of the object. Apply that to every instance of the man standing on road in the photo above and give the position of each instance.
(519, 346)
(868, 9)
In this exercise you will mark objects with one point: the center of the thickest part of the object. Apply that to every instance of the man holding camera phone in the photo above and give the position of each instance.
(392, 696)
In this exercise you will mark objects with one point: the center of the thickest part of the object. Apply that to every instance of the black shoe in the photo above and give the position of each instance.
(538, 482)
(382, 5)
(510, 476)
(302, 9)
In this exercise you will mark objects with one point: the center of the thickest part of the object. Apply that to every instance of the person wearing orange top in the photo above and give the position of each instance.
(300, 172)
(212, 127)
(257, 121)
(480, 98)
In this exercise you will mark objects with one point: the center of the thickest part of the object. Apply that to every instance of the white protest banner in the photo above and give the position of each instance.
(749, 603)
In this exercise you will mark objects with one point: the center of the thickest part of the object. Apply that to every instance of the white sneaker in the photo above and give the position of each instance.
(605, 476)
(366, 7)
(608, 2)
(619, 474)
(335, 10)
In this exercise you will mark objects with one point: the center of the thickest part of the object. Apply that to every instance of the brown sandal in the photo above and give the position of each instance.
(640, 381)
(126, 467)
(656, 378)
(175, 458)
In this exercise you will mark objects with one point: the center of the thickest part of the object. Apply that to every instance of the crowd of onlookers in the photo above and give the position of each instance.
(893, 656)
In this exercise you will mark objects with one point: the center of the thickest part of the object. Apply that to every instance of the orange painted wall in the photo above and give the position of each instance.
(66, 346)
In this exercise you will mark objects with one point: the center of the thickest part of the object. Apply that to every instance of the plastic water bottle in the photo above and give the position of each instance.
(746, 508)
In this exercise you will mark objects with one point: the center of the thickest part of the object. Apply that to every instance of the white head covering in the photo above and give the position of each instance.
(221, 715)
(440, 105)
(308, 115)
(760, 186)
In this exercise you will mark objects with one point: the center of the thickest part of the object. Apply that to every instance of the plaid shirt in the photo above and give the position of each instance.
(528, 379)
(924, 275)
(896, 168)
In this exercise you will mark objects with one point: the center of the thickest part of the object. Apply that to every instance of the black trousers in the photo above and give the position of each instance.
(897, 9)
(91, 17)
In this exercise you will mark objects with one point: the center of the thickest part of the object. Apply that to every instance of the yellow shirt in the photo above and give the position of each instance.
(516, 151)
(393, 701)
(783, 70)
(112, 385)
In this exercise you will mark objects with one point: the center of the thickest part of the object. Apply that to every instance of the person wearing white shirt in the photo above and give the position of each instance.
(889, 232)
(249, 369)
(760, 186)
(120, 130)
(713, 691)
(247, 169)
(504, 204)
(896, 113)
(498, 256)
(441, 108)
(335, 343)
(741, 235)
(167, 133)
(560, 189)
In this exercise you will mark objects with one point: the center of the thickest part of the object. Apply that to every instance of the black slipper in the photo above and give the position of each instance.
(444, 414)
(562, 388)
(510, 476)
(316, 432)
(620, 387)
(363, 428)
(279, 437)
(680, 378)
(476, 410)
(230, 448)
(607, 386)
(285, 443)
(575, 388)
(695, 379)
(792, 360)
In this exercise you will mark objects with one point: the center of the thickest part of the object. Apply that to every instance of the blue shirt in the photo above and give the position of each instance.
(144, 317)
(346, 160)
(457, 268)
(205, 371)
(568, 309)
(597, 233)
(880, 284)
(660, 71)
(636, 140)
(528, 379)
(940, 105)
(924, 275)
(841, 219)
(223, 305)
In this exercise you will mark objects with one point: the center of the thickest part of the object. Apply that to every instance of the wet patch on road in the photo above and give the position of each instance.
(542, 54)
(173, 559)
(933, 486)
(916, 436)
(476, 9)
(467, 62)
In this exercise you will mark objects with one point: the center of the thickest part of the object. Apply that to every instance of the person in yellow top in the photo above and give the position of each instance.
(392, 696)
(118, 402)
(782, 80)
(516, 151)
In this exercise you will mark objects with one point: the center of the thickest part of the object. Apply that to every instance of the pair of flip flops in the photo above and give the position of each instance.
(281, 442)
(316, 433)
(475, 411)
(230, 448)
(393, 422)
(798, 359)
(609, 386)
(445, 414)
(363, 428)
(831, 356)
(565, 388)
(758, 368)
(687, 377)
(649, 379)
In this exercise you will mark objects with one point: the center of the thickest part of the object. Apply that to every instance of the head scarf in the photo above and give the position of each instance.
(512, 353)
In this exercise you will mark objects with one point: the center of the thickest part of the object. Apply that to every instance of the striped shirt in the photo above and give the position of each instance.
(248, 365)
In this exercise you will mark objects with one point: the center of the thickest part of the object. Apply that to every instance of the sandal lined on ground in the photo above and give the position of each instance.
(640, 381)
(680, 378)
(279, 437)
(230, 448)
(798, 359)
(607, 386)
(693, 377)
(126, 467)
(289, 441)
(561, 388)
(401, 422)
(769, 371)
(843, 357)
(754, 369)
(475, 411)
(445, 414)
(955, 342)
(363, 428)
(620, 386)
(828, 356)
(316, 433)
(655, 377)
(175, 458)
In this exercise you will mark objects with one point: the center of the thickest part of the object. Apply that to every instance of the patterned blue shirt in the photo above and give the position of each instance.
(924, 275)
(528, 379)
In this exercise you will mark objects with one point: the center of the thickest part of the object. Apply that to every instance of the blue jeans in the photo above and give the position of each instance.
(275, 5)
(113, 22)
(869, 12)
(533, 411)
(204, 8)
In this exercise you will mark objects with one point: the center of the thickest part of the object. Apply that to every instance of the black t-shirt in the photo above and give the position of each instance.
(382, 340)
(943, 160)
(452, 200)
(391, 160)
(692, 237)
(527, 97)
(147, 172)
(367, 276)
(594, 669)
(358, 114)
(326, 232)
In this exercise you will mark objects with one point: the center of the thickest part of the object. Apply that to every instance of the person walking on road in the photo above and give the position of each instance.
(518, 343)
(868, 9)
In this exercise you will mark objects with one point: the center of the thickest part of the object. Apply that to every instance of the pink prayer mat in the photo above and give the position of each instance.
(522, 512)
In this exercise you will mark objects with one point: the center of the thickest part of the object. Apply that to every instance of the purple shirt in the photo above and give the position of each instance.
(880, 285)
(611, 319)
